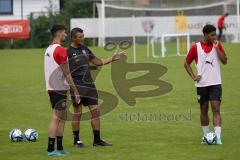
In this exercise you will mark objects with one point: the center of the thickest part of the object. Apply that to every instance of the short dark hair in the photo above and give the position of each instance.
(226, 14)
(57, 27)
(208, 29)
(75, 31)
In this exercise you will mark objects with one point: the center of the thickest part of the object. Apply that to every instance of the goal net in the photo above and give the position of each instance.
(152, 19)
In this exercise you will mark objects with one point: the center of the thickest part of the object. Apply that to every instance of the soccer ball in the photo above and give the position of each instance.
(16, 135)
(210, 138)
(31, 135)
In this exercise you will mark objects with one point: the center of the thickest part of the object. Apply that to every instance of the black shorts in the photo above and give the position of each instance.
(88, 94)
(209, 93)
(58, 100)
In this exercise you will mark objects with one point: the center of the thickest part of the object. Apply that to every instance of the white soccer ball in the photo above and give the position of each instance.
(210, 138)
(31, 135)
(16, 135)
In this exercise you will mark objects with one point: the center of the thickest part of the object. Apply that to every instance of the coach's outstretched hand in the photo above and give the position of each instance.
(77, 98)
(118, 56)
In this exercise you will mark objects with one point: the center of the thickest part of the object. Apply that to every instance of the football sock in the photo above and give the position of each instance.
(96, 136)
(76, 136)
(205, 129)
(51, 142)
(59, 143)
(218, 131)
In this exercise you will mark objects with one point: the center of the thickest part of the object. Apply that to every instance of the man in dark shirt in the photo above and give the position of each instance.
(80, 57)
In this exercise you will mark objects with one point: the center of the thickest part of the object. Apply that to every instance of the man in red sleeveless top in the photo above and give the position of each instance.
(58, 81)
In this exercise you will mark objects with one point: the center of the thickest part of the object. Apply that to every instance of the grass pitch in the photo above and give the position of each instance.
(24, 104)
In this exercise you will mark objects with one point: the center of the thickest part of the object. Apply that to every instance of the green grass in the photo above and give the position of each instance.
(24, 104)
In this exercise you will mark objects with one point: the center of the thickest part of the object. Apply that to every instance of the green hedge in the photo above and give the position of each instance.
(40, 27)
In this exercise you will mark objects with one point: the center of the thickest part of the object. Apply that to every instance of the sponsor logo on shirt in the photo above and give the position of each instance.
(208, 62)
(84, 52)
(74, 54)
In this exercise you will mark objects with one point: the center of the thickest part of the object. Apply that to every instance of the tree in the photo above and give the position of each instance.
(40, 27)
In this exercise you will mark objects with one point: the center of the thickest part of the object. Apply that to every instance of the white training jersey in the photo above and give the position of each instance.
(208, 67)
(54, 77)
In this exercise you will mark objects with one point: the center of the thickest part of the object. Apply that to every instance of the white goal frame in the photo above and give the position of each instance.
(155, 40)
(104, 5)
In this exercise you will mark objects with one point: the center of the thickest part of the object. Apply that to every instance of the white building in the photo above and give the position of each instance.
(21, 9)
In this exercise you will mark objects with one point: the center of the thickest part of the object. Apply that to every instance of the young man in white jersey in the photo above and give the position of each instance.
(56, 74)
(208, 54)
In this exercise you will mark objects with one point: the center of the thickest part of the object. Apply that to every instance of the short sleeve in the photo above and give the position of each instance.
(192, 54)
(60, 55)
(90, 54)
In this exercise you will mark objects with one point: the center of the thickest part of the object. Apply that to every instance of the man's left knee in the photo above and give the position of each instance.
(96, 113)
(216, 110)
